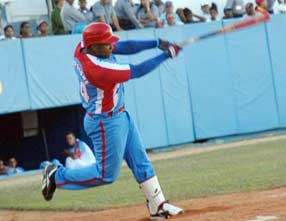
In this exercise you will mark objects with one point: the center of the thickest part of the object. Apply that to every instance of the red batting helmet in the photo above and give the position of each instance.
(98, 33)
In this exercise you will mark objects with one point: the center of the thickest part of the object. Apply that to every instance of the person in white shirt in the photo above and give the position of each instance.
(169, 17)
(205, 6)
(79, 154)
(281, 7)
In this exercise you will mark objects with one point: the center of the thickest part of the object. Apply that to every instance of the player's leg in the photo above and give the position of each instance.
(109, 137)
(138, 161)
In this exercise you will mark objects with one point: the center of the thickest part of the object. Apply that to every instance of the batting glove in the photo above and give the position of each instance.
(173, 51)
(163, 45)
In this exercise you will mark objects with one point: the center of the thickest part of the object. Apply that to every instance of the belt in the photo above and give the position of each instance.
(108, 114)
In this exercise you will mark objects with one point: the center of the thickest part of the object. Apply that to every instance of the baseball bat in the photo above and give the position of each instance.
(233, 27)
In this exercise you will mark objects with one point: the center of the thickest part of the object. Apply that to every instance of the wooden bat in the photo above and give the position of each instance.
(233, 27)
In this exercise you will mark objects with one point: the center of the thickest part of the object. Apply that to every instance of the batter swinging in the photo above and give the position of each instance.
(111, 128)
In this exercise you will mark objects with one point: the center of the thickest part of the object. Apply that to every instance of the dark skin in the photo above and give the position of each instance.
(100, 50)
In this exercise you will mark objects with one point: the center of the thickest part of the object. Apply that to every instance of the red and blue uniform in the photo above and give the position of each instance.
(111, 128)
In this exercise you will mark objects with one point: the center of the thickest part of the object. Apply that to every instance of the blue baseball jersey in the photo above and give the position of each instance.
(101, 88)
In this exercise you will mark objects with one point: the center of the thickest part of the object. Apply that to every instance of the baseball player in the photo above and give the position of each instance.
(111, 128)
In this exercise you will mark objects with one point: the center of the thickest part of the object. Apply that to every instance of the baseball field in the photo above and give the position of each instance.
(244, 181)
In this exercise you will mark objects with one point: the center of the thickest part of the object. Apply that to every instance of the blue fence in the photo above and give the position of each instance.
(231, 84)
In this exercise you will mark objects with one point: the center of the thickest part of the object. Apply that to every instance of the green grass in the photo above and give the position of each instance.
(246, 168)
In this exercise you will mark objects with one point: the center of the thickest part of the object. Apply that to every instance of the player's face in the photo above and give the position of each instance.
(102, 50)
(70, 139)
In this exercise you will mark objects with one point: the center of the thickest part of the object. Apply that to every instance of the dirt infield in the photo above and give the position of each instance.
(253, 206)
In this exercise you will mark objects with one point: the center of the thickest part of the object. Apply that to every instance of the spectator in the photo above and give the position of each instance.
(79, 154)
(261, 6)
(103, 11)
(2, 24)
(270, 5)
(213, 12)
(160, 5)
(237, 7)
(126, 15)
(281, 7)
(70, 16)
(189, 15)
(43, 28)
(147, 13)
(84, 10)
(249, 10)
(3, 168)
(12, 167)
(57, 24)
(9, 32)
(205, 7)
(180, 13)
(228, 14)
(169, 14)
(25, 30)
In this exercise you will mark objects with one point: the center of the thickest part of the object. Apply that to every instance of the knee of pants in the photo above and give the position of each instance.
(110, 176)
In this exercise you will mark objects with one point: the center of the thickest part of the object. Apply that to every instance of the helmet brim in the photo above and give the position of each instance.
(112, 40)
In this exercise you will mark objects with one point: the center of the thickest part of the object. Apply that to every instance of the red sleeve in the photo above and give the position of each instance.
(100, 72)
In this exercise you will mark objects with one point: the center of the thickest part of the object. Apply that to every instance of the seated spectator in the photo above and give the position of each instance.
(160, 5)
(2, 24)
(25, 30)
(79, 154)
(57, 24)
(147, 13)
(180, 13)
(237, 7)
(169, 14)
(205, 7)
(261, 6)
(126, 15)
(103, 11)
(249, 10)
(3, 168)
(70, 16)
(9, 32)
(43, 28)
(227, 13)
(281, 7)
(12, 167)
(213, 12)
(84, 10)
(189, 15)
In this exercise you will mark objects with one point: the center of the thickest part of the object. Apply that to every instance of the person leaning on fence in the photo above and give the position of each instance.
(189, 15)
(126, 15)
(103, 11)
(13, 168)
(9, 32)
(70, 16)
(169, 17)
(25, 30)
(43, 28)
(56, 20)
(147, 13)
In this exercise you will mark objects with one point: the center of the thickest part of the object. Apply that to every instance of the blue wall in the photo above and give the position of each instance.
(226, 85)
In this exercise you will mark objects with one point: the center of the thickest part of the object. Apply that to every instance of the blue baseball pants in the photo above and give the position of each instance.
(114, 139)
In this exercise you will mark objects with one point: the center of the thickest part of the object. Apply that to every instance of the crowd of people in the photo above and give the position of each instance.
(124, 15)
(11, 168)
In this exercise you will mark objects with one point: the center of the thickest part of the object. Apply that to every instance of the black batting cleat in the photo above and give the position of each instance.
(48, 181)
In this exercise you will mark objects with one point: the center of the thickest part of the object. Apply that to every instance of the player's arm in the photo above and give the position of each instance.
(104, 73)
(133, 47)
